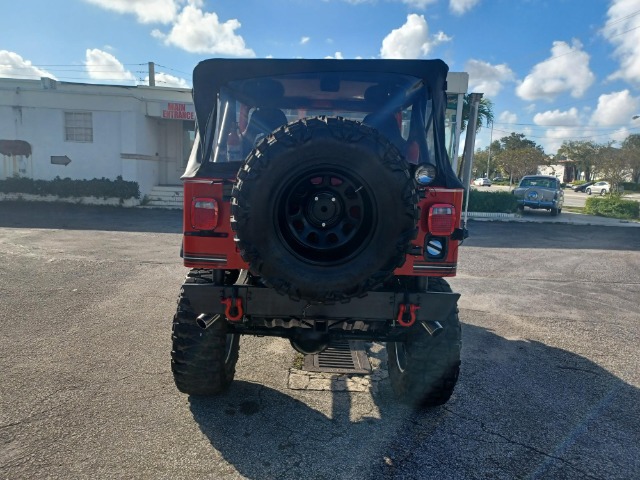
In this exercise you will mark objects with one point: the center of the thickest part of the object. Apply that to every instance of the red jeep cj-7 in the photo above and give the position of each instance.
(320, 204)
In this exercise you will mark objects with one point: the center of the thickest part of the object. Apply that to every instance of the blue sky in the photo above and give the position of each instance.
(555, 69)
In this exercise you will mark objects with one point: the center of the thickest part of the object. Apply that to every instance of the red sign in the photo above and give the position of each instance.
(178, 111)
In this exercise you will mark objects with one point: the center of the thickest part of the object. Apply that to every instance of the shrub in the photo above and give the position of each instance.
(65, 187)
(499, 202)
(630, 186)
(612, 206)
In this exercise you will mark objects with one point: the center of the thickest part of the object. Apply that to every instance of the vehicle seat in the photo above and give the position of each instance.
(387, 125)
(262, 122)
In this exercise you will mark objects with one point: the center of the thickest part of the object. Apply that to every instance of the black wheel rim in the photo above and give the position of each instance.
(325, 217)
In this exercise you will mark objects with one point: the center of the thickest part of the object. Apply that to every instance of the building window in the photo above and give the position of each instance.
(78, 127)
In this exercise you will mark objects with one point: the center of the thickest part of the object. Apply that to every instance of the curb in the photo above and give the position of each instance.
(93, 201)
(565, 219)
(491, 215)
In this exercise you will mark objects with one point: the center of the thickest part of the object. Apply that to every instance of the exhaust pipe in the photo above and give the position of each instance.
(205, 321)
(433, 328)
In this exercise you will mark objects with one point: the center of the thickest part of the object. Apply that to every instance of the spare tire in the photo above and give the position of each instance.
(324, 209)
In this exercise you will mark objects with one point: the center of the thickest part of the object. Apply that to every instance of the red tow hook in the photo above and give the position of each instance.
(233, 312)
(407, 311)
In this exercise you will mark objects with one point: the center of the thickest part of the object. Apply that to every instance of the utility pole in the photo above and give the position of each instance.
(490, 142)
(152, 74)
(469, 146)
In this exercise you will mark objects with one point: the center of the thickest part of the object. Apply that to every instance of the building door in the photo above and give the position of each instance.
(170, 151)
(176, 140)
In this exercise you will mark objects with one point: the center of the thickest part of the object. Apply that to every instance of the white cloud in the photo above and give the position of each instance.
(101, 65)
(556, 117)
(147, 11)
(460, 7)
(487, 78)
(607, 122)
(166, 80)
(507, 117)
(201, 32)
(411, 40)
(554, 137)
(419, 4)
(620, 135)
(304, 40)
(615, 109)
(566, 70)
(13, 65)
(622, 30)
(337, 56)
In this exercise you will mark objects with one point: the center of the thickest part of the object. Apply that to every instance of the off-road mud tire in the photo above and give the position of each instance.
(424, 370)
(324, 209)
(202, 361)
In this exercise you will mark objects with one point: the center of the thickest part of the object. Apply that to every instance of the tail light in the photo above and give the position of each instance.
(442, 219)
(204, 213)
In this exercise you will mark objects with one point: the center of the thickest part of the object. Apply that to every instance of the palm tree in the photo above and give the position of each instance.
(485, 112)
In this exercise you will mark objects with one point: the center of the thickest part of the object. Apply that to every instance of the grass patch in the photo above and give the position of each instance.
(573, 209)
(298, 361)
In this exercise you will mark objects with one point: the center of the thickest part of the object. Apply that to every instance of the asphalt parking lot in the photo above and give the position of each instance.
(548, 387)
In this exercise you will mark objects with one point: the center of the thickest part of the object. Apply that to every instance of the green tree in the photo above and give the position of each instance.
(481, 160)
(612, 165)
(583, 152)
(631, 152)
(519, 156)
(485, 113)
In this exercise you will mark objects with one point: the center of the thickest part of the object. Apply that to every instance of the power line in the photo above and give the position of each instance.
(632, 14)
(622, 33)
(173, 69)
(72, 65)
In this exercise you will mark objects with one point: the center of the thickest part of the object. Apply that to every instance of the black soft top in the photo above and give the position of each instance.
(210, 75)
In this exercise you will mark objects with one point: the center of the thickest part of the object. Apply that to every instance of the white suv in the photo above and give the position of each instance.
(599, 187)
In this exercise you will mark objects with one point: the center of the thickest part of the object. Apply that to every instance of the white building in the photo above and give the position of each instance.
(141, 133)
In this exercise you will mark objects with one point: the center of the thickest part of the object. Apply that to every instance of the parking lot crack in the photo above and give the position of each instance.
(531, 448)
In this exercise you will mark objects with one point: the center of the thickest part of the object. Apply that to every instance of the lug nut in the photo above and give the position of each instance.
(333, 199)
(316, 199)
(324, 224)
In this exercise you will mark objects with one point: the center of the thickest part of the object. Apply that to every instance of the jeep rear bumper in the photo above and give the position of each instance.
(266, 303)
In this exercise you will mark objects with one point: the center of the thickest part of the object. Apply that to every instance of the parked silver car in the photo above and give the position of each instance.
(482, 182)
(540, 191)
(600, 188)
